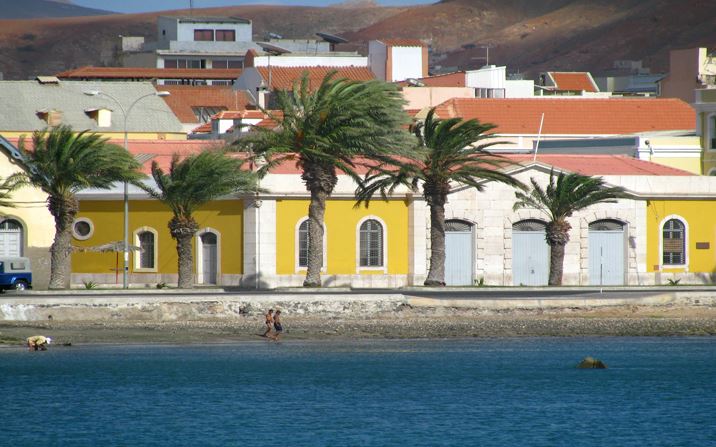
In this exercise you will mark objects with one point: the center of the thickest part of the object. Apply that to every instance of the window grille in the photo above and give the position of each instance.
(146, 255)
(606, 225)
(457, 226)
(674, 243)
(529, 225)
(371, 244)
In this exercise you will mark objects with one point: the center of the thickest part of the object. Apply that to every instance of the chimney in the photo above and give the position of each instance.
(262, 95)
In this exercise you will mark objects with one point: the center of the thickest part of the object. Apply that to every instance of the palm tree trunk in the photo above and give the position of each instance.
(316, 213)
(182, 229)
(436, 274)
(557, 235)
(64, 210)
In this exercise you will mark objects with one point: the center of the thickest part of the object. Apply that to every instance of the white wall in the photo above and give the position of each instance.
(185, 31)
(486, 77)
(519, 88)
(407, 62)
(290, 60)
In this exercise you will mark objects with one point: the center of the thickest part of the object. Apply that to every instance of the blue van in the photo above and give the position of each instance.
(15, 273)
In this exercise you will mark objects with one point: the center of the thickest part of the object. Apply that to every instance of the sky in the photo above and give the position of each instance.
(131, 6)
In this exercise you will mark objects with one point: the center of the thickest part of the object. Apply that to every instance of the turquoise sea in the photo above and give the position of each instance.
(476, 392)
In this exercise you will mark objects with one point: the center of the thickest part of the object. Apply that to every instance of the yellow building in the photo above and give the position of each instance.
(681, 235)
(27, 229)
(218, 246)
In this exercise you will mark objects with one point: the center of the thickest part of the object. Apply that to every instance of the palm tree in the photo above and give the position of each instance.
(190, 183)
(62, 163)
(564, 195)
(326, 131)
(451, 151)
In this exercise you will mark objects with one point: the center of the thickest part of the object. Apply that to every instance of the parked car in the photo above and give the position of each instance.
(15, 273)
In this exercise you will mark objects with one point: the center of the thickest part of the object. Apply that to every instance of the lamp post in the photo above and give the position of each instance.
(125, 115)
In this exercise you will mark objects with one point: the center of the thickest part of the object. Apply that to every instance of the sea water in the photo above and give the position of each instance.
(476, 392)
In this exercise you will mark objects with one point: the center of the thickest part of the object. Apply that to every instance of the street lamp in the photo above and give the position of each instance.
(125, 114)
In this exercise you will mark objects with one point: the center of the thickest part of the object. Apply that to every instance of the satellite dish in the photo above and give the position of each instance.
(273, 50)
(331, 38)
(275, 36)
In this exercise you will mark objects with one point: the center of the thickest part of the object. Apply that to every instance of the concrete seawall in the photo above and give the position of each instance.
(112, 306)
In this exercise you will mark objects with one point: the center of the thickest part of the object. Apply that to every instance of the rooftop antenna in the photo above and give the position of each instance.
(191, 7)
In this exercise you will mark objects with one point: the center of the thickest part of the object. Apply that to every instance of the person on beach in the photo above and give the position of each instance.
(277, 325)
(38, 342)
(269, 323)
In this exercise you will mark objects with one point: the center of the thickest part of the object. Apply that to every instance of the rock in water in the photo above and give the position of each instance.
(591, 363)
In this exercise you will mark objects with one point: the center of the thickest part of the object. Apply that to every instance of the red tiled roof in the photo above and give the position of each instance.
(149, 73)
(600, 164)
(184, 97)
(162, 151)
(574, 116)
(403, 42)
(204, 128)
(283, 78)
(239, 114)
(571, 81)
(456, 79)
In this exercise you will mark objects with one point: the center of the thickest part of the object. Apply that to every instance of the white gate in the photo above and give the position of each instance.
(10, 238)
(458, 253)
(530, 254)
(607, 249)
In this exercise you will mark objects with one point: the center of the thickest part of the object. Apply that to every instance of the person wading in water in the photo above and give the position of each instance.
(269, 323)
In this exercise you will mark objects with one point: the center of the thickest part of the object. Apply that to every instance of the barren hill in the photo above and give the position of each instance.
(28, 9)
(529, 35)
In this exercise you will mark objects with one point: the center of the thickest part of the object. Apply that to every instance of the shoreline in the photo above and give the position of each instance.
(406, 323)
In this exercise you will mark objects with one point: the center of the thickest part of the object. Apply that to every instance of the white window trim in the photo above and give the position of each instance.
(384, 267)
(200, 255)
(685, 265)
(138, 254)
(78, 236)
(296, 267)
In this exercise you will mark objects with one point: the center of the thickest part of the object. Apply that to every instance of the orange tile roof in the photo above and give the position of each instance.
(571, 81)
(149, 73)
(574, 116)
(162, 151)
(204, 128)
(184, 97)
(239, 114)
(283, 78)
(403, 42)
(600, 164)
(456, 79)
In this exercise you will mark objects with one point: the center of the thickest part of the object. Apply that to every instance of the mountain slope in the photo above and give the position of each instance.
(31, 9)
(525, 35)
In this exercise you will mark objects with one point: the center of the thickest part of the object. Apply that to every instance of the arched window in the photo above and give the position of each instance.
(146, 246)
(11, 238)
(606, 225)
(145, 259)
(674, 242)
(371, 244)
(529, 225)
(302, 239)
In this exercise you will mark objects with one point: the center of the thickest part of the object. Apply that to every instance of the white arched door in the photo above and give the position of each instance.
(11, 238)
(458, 253)
(209, 258)
(530, 254)
(607, 251)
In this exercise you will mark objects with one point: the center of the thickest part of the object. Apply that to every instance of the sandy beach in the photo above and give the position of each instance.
(405, 323)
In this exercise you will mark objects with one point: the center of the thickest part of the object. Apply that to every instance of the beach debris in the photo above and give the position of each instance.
(591, 363)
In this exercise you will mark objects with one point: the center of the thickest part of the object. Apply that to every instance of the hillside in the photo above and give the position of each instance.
(526, 35)
(31, 9)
